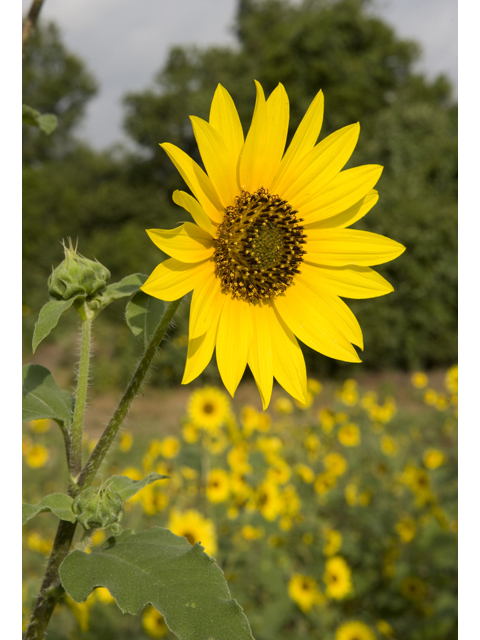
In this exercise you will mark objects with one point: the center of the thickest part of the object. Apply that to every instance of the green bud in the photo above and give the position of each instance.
(77, 276)
(99, 508)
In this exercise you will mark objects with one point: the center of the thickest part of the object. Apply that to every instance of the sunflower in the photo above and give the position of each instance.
(270, 255)
(337, 578)
(154, 623)
(218, 485)
(354, 630)
(304, 591)
(349, 435)
(209, 408)
(194, 527)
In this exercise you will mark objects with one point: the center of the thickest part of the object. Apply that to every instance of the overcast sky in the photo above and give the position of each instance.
(125, 42)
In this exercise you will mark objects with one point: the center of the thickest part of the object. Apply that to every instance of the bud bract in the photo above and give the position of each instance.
(98, 508)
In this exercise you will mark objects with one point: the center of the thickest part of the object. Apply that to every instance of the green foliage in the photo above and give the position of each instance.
(58, 503)
(48, 319)
(47, 122)
(43, 398)
(127, 488)
(157, 567)
(142, 314)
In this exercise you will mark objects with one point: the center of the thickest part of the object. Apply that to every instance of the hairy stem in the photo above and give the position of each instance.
(30, 21)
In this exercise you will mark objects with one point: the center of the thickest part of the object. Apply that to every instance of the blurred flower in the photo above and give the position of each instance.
(324, 482)
(406, 529)
(153, 501)
(333, 542)
(413, 589)
(313, 446)
(36, 542)
(351, 494)
(354, 630)
(349, 435)
(308, 538)
(209, 408)
(430, 397)
(126, 441)
(335, 464)
(40, 426)
(218, 485)
(369, 399)
(267, 500)
(341, 417)
(419, 380)
(283, 405)
(190, 433)
(154, 623)
(103, 595)
(389, 446)
(385, 629)
(37, 456)
(80, 611)
(188, 473)
(314, 386)
(279, 471)
(433, 458)
(238, 459)
(348, 394)
(337, 577)
(451, 379)
(327, 419)
(308, 401)
(194, 527)
(304, 591)
(252, 533)
(418, 481)
(170, 447)
(305, 472)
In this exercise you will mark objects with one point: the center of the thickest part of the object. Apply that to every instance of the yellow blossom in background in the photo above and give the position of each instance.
(327, 419)
(103, 595)
(369, 399)
(80, 611)
(209, 408)
(37, 542)
(170, 447)
(333, 542)
(351, 494)
(194, 527)
(188, 473)
(252, 533)
(385, 628)
(290, 501)
(307, 403)
(442, 402)
(305, 472)
(433, 458)
(337, 577)
(324, 482)
(283, 406)
(126, 441)
(314, 386)
(451, 380)
(154, 623)
(418, 481)
(348, 394)
(406, 529)
(37, 456)
(413, 589)
(41, 426)
(313, 446)
(389, 446)
(218, 485)
(308, 538)
(133, 473)
(419, 380)
(26, 445)
(97, 538)
(190, 433)
(304, 591)
(279, 471)
(335, 464)
(238, 459)
(267, 500)
(270, 255)
(349, 435)
(354, 630)
(341, 417)
(430, 397)
(153, 501)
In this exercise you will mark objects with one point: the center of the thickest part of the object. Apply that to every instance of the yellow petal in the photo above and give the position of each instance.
(318, 167)
(224, 118)
(335, 309)
(350, 282)
(233, 341)
(343, 247)
(265, 143)
(195, 209)
(204, 300)
(200, 348)
(304, 139)
(199, 183)
(172, 279)
(260, 356)
(311, 324)
(346, 189)
(287, 358)
(221, 165)
(347, 217)
(187, 243)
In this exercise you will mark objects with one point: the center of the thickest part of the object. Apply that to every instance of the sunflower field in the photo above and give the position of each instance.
(334, 520)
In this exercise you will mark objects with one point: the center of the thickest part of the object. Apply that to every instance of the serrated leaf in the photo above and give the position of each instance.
(157, 567)
(48, 318)
(143, 315)
(43, 398)
(126, 287)
(58, 503)
(127, 488)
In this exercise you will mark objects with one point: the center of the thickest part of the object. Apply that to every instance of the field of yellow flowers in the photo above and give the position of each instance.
(335, 521)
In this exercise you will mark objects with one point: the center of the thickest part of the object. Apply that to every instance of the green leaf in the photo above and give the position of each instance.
(43, 398)
(155, 566)
(58, 503)
(126, 287)
(126, 487)
(143, 315)
(47, 122)
(48, 318)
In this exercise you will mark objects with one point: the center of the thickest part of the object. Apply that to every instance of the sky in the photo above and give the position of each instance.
(125, 42)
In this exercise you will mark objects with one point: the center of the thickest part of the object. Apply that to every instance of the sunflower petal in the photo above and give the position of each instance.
(195, 209)
(204, 302)
(234, 338)
(321, 165)
(347, 188)
(351, 282)
(224, 118)
(172, 279)
(220, 164)
(197, 180)
(310, 324)
(343, 247)
(200, 348)
(287, 358)
(187, 243)
(260, 356)
(304, 139)
(347, 217)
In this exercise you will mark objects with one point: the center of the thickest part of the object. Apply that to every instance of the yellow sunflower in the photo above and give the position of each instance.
(304, 591)
(270, 254)
(209, 408)
(337, 578)
(354, 630)
(194, 527)
(218, 485)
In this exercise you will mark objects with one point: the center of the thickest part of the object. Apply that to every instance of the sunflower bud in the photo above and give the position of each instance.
(77, 276)
(98, 508)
